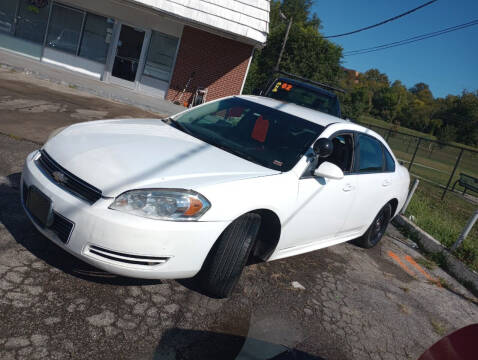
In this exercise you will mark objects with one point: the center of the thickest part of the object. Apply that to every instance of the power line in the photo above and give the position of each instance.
(411, 40)
(383, 22)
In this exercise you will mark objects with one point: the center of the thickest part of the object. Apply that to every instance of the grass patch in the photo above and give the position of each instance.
(438, 327)
(445, 284)
(72, 86)
(428, 264)
(445, 220)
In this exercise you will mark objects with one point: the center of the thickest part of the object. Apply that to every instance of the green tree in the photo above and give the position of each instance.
(306, 53)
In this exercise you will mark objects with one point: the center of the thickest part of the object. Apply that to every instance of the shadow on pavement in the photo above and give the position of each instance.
(14, 219)
(183, 344)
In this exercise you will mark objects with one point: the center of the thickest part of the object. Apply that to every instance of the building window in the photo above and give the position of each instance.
(96, 38)
(32, 19)
(7, 15)
(161, 53)
(65, 28)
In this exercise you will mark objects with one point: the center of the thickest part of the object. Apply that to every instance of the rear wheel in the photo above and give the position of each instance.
(376, 231)
(224, 264)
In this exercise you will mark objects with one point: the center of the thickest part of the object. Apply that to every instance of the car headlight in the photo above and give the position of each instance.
(162, 204)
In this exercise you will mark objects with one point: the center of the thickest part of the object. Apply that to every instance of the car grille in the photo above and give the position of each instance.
(61, 226)
(66, 180)
(126, 258)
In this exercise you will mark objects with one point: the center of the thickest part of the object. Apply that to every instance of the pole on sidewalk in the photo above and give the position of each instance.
(466, 231)
(410, 195)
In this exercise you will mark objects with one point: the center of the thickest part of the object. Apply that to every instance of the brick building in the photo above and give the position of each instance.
(149, 46)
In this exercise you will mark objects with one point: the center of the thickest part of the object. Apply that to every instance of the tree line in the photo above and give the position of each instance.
(308, 54)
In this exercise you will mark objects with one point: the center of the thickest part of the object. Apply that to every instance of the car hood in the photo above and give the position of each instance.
(120, 155)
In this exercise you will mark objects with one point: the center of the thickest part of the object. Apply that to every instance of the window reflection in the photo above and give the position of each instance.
(160, 59)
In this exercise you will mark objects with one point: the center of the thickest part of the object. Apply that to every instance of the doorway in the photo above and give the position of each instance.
(128, 55)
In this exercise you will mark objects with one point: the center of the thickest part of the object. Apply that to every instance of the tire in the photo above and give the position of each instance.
(375, 232)
(226, 260)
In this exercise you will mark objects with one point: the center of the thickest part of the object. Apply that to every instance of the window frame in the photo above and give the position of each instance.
(309, 173)
(357, 153)
(80, 34)
(385, 151)
(353, 135)
(148, 50)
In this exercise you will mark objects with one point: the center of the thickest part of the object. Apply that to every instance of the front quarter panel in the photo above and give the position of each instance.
(233, 199)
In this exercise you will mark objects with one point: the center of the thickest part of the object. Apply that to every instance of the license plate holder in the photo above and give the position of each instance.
(39, 205)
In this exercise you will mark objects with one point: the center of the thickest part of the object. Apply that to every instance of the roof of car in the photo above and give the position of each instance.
(306, 85)
(296, 110)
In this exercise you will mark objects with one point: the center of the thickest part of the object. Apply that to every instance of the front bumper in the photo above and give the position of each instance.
(121, 243)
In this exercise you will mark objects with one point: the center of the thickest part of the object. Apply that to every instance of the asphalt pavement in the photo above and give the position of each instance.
(351, 303)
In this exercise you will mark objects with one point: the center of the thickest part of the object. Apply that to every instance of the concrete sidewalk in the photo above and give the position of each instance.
(86, 84)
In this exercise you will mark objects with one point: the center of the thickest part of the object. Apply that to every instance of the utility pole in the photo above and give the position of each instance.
(285, 40)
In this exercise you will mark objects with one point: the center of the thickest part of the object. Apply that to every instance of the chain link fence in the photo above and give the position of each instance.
(429, 160)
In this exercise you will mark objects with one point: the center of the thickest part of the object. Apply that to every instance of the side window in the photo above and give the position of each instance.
(342, 156)
(389, 162)
(369, 155)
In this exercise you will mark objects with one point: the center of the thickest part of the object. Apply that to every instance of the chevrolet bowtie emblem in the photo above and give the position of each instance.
(59, 177)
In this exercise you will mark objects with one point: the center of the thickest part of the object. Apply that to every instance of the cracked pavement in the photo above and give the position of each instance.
(357, 304)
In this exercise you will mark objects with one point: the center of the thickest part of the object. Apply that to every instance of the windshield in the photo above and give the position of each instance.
(265, 136)
(304, 96)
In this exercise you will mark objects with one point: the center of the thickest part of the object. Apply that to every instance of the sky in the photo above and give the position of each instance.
(447, 63)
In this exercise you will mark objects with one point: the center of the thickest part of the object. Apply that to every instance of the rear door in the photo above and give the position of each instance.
(375, 176)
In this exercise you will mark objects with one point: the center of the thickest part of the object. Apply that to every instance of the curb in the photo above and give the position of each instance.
(429, 244)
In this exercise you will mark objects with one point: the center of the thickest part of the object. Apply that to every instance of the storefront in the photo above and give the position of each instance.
(116, 41)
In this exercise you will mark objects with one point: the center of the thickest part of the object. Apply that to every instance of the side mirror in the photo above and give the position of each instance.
(323, 147)
(329, 170)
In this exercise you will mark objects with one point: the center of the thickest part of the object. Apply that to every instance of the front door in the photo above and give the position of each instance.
(323, 205)
(128, 55)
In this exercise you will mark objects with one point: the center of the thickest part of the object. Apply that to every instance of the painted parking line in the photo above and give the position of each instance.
(401, 263)
(421, 270)
(417, 267)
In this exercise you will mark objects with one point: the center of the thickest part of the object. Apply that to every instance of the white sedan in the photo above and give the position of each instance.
(200, 193)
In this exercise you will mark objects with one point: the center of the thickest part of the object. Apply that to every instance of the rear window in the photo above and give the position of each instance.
(304, 96)
(389, 162)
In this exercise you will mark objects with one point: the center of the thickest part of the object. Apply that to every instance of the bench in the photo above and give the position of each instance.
(468, 182)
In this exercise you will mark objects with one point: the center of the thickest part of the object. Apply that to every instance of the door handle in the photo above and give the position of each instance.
(387, 182)
(348, 187)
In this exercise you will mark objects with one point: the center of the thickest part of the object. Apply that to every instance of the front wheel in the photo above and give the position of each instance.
(376, 231)
(224, 264)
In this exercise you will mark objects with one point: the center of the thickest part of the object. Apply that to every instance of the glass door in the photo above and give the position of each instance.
(8, 11)
(127, 59)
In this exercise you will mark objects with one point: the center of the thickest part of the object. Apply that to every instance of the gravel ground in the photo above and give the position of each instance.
(354, 304)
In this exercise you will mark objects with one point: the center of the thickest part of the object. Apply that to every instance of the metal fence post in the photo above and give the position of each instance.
(388, 134)
(409, 197)
(409, 143)
(414, 154)
(452, 174)
(466, 231)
